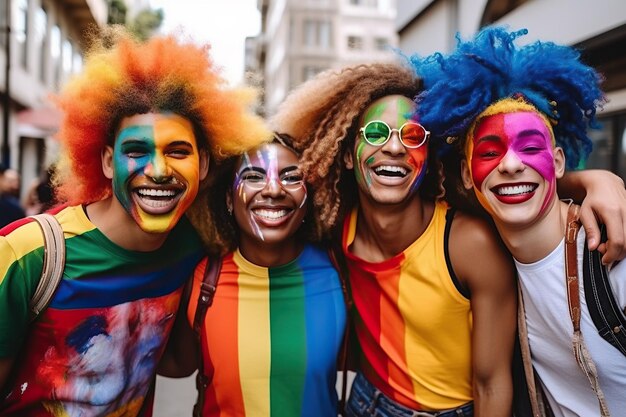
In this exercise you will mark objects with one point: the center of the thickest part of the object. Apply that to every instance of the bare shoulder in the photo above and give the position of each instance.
(476, 250)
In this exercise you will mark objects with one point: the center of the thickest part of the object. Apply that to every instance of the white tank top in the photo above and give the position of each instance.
(550, 337)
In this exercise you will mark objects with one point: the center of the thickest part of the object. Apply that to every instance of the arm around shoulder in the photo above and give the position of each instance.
(492, 286)
(603, 199)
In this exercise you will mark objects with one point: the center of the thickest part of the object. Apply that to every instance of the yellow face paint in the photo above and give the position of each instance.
(157, 169)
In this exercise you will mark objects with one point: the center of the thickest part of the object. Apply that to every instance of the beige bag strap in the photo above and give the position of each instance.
(53, 262)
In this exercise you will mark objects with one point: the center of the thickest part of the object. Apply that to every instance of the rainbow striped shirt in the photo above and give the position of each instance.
(272, 336)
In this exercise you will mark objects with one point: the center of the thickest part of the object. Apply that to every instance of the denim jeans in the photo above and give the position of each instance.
(367, 401)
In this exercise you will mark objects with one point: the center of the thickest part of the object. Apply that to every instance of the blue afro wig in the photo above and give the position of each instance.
(460, 85)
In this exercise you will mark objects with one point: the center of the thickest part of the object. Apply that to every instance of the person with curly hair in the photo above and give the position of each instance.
(517, 123)
(141, 125)
(433, 288)
(269, 343)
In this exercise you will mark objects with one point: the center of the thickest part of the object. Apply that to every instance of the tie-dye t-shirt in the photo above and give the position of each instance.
(413, 324)
(271, 339)
(94, 350)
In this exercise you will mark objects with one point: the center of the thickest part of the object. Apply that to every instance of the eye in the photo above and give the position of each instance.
(533, 149)
(252, 177)
(490, 154)
(135, 152)
(293, 177)
(179, 153)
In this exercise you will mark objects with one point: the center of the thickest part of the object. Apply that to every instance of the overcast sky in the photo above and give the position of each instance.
(223, 23)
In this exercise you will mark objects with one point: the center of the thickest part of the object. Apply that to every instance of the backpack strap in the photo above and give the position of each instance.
(205, 300)
(581, 353)
(53, 263)
(605, 312)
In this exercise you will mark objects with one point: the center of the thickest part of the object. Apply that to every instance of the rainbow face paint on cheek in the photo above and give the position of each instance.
(131, 139)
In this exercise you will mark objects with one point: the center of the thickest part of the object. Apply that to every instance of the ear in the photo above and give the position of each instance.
(559, 162)
(204, 164)
(466, 176)
(347, 159)
(107, 162)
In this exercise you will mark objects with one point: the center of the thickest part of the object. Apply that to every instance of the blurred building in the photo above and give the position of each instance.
(598, 28)
(300, 38)
(47, 39)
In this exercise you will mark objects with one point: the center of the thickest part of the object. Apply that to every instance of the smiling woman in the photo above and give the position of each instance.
(270, 341)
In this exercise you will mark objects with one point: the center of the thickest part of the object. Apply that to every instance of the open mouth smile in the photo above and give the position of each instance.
(391, 171)
(514, 193)
(157, 200)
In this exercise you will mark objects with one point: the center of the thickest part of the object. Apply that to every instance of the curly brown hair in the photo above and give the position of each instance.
(323, 114)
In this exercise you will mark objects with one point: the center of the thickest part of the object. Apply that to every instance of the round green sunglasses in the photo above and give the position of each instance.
(412, 135)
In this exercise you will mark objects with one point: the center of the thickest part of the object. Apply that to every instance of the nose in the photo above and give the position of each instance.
(272, 188)
(158, 169)
(511, 163)
(394, 146)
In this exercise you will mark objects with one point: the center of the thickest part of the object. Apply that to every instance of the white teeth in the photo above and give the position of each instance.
(150, 192)
(516, 189)
(390, 168)
(156, 203)
(270, 214)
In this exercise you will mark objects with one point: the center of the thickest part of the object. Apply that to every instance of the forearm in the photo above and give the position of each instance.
(493, 398)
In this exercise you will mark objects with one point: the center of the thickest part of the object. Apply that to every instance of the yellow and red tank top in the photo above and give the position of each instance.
(412, 322)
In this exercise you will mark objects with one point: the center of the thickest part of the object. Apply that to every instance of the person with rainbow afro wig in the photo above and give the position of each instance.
(141, 126)
(517, 117)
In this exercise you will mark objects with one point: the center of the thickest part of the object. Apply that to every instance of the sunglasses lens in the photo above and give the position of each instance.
(376, 133)
(413, 134)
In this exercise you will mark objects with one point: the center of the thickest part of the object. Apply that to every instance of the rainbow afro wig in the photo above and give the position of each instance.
(491, 67)
(123, 77)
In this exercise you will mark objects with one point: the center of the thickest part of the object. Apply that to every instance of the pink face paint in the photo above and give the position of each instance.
(522, 133)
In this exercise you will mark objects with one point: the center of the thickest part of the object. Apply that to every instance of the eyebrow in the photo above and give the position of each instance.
(530, 132)
(263, 171)
(489, 138)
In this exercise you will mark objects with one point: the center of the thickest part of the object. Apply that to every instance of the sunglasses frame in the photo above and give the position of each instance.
(399, 130)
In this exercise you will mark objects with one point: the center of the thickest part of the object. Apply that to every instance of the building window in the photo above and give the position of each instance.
(77, 64)
(3, 21)
(21, 31)
(366, 3)
(355, 43)
(55, 54)
(317, 33)
(381, 44)
(41, 29)
(310, 71)
(68, 49)
(609, 145)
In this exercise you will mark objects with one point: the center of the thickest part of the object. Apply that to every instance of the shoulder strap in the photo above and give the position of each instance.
(205, 300)
(53, 264)
(207, 291)
(581, 352)
(605, 312)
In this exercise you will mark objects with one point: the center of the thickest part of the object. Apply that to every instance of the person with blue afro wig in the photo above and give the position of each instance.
(517, 117)
(460, 87)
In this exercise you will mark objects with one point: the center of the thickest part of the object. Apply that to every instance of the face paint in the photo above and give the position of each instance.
(156, 166)
(389, 173)
(506, 143)
(269, 194)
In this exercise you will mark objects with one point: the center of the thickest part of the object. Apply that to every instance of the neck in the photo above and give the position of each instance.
(117, 225)
(272, 254)
(384, 231)
(530, 243)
